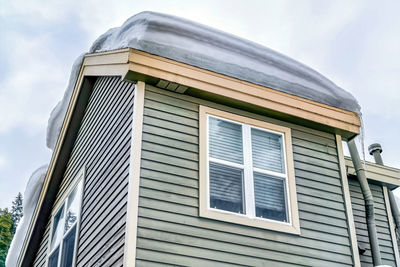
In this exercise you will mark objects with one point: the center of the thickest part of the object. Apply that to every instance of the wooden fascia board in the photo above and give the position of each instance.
(107, 58)
(193, 77)
(107, 63)
(381, 174)
(113, 63)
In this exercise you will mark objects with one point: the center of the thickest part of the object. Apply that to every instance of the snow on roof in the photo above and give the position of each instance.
(204, 47)
(207, 48)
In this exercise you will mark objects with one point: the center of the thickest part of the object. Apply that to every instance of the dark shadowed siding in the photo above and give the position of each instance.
(384, 237)
(103, 147)
(171, 232)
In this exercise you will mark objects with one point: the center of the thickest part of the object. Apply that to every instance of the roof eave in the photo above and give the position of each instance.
(151, 69)
(378, 174)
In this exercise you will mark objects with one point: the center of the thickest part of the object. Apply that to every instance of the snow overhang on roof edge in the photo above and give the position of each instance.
(201, 46)
(207, 48)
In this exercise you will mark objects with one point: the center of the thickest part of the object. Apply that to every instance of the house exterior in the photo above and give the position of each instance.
(160, 162)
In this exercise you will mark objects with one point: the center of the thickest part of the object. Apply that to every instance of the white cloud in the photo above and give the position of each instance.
(3, 161)
(28, 89)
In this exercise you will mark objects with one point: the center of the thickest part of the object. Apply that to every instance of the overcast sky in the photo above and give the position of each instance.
(356, 44)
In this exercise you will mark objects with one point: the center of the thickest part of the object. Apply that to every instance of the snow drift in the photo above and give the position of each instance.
(58, 113)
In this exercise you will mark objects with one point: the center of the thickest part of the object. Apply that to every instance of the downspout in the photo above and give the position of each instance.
(369, 202)
(376, 150)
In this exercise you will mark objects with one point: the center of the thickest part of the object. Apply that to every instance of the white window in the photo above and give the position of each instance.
(64, 229)
(247, 173)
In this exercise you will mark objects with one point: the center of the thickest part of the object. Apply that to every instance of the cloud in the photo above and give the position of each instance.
(35, 65)
(3, 161)
(26, 91)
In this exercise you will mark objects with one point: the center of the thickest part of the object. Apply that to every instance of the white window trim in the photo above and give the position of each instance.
(78, 178)
(293, 225)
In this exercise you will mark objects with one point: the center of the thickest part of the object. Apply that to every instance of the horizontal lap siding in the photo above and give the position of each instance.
(41, 255)
(103, 147)
(381, 220)
(170, 232)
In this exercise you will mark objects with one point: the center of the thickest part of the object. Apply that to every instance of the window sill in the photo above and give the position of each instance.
(252, 222)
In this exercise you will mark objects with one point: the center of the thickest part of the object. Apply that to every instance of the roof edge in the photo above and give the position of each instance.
(378, 173)
(145, 67)
(204, 47)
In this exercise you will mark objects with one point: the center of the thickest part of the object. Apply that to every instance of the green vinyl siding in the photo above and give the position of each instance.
(170, 231)
(102, 146)
(381, 220)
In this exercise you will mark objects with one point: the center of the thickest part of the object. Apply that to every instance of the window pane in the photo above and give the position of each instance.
(53, 259)
(68, 248)
(58, 224)
(225, 140)
(267, 151)
(269, 193)
(226, 188)
(73, 207)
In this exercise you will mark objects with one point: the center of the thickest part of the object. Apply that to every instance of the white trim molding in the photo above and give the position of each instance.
(347, 201)
(134, 177)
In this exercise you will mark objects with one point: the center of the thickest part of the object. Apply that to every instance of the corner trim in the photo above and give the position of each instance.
(134, 177)
(347, 201)
(391, 226)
